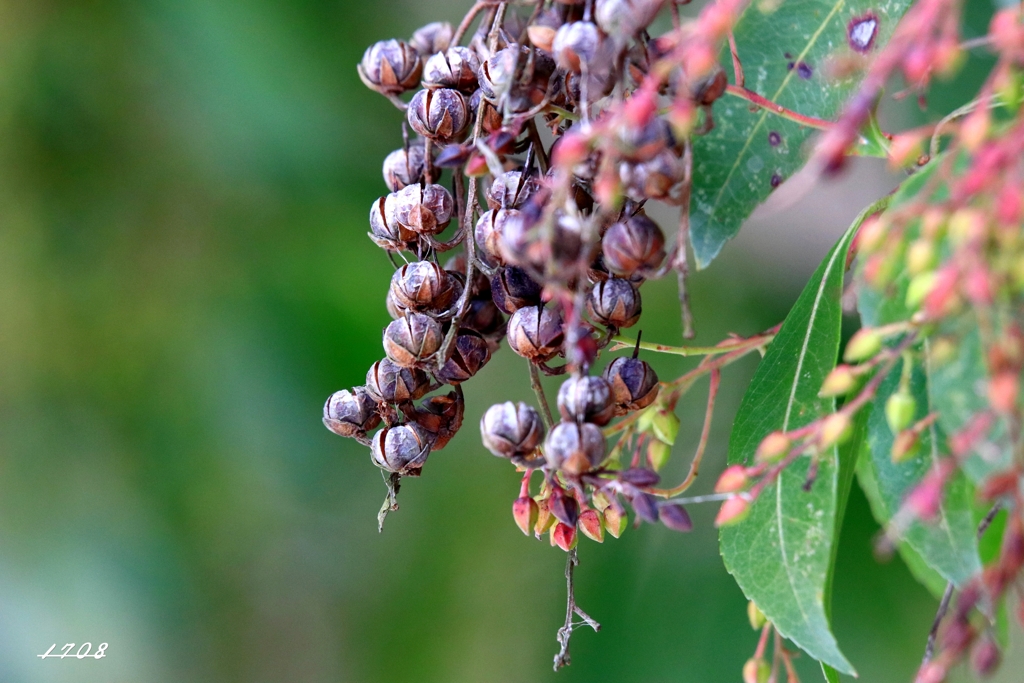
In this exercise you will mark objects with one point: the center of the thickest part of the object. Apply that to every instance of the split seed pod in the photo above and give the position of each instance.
(575, 448)
(387, 382)
(421, 286)
(402, 449)
(351, 413)
(455, 69)
(469, 355)
(423, 210)
(586, 399)
(535, 333)
(440, 114)
(390, 67)
(615, 303)
(635, 246)
(404, 167)
(510, 429)
(634, 383)
(411, 340)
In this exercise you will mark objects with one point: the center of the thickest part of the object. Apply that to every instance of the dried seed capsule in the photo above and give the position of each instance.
(424, 210)
(497, 74)
(635, 246)
(402, 449)
(512, 189)
(390, 67)
(432, 38)
(489, 230)
(575, 43)
(441, 418)
(422, 286)
(536, 333)
(387, 382)
(634, 383)
(454, 69)
(623, 19)
(351, 413)
(395, 309)
(484, 318)
(412, 339)
(586, 399)
(385, 230)
(575, 448)
(710, 88)
(615, 303)
(440, 114)
(654, 179)
(404, 167)
(509, 429)
(512, 288)
(644, 142)
(469, 355)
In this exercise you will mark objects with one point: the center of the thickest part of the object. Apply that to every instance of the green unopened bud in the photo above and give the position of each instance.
(836, 429)
(841, 381)
(592, 525)
(525, 511)
(863, 345)
(643, 423)
(614, 521)
(658, 453)
(773, 447)
(733, 511)
(665, 426)
(918, 289)
(756, 616)
(600, 500)
(905, 446)
(756, 670)
(899, 411)
(920, 256)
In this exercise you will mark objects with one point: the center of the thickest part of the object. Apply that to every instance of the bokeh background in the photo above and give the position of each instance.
(185, 276)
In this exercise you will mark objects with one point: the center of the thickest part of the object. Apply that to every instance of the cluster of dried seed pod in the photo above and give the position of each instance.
(540, 242)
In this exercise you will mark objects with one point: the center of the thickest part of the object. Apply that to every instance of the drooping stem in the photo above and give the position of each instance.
(705, 434)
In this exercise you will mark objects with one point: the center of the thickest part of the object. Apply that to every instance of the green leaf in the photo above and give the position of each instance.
(784, 48)
(948, 545)
(782, 554)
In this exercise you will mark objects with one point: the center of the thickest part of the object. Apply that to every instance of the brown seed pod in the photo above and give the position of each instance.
(387, 382)
(484, 318)
(385, 230)
(576, 43)
(411, 340)
(710, 88)
(422, 286)
(395, 309)
(510, 429)
(574, 448)
(635, 246)
(634, 383)
(432, 38)
(404, 167)
(512, 288)
(615, 303)
(440, 114)
(390, 67)
(456, 68)
(623, 19)
(535, 333)
(491, 119)
(497, 74)
(488, 232)
(423, 210)
(586, 399)
(643, 143)
(469, 355)
(351, 413)
(511, 190)
(441, 417)
(402, 449)
(653, 179)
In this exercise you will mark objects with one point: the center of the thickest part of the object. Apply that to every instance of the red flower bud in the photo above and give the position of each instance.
(733, 479)
(525, 511)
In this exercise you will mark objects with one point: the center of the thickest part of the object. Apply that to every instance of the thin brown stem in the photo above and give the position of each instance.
(545, 409)
(691, 476)
(571, 610)
(680, 263)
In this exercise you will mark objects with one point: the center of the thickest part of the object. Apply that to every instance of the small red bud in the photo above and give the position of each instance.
(564, 536)
(926, 497)
(733, 511)
(733, 479)
(985, 657)
(932, 672)
(773, 447)
(525, 511)
(640, 108)
(1000, 485)
(1003, 390)
(571, 149)
(592, 525)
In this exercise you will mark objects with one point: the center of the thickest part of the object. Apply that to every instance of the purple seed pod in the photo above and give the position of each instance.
(586, 399)
(402, 449)
(615, 303)
(645, 506)
(510, 429)
(574, 448)
(455, 69)
(635, 246)
(576, 43)
(469, 354)
(404, 167)
(484, 318)
(390, 67)
(385, 230)
(512, 289)
(497, 74)
(489, 230)
(675, 517)
(564, 507)
(440, 114)
(654, 179)
(387, 382)
(422, 286)
(351, 413)
(411, 340)
(535, 333)
(424, 210)
(639, 476)
(432, 38)
(634, 383)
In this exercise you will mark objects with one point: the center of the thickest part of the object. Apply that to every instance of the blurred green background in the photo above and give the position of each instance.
(184, 278)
